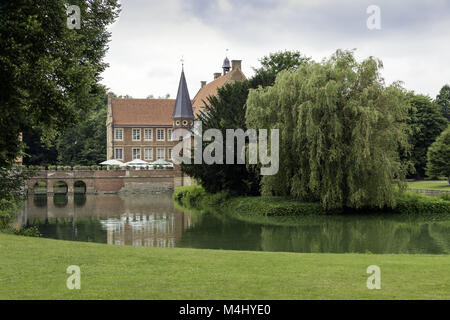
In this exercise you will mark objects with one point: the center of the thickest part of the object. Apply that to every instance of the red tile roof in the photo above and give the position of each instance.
(151, 112)
(142, 111)
(211, 89)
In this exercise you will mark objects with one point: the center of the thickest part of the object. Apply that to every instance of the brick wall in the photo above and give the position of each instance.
(127, 143)
(113, 181)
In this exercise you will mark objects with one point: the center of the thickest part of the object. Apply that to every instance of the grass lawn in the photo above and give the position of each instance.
(430, 185)
(33, 268)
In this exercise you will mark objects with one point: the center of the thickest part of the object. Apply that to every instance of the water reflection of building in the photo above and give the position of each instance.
(150, 220)
(150, 230)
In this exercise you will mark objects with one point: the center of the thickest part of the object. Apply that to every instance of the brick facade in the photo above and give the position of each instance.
(127, 143)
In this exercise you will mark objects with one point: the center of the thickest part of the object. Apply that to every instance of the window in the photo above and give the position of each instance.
(148, 154)
(118, 134)
(119, 154)
(185, 123)
(136, 134)
(160, 134)
(169, 151)
(136, 153)
(148, 135)
(177, 122)
(169, 134)
(160, 154)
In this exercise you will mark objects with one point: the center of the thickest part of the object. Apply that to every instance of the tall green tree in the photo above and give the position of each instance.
(274, 63)
(49, 73)
(84, 143)
(439, 156)
(38, 152)
(225, 111)
(426, 123)
(443, 101)
(340, 132)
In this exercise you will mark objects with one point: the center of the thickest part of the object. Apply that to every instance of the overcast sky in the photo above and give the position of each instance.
(151, 36)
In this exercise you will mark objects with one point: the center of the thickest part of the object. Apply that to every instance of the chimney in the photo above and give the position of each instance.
(202, 84)
(216, 75)
(236, 64)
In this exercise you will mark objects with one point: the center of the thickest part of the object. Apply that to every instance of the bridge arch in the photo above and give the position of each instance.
(60, 187)
(80, 187)
(39, 187)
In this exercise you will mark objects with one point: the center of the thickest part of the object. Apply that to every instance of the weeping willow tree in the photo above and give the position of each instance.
(341, 130)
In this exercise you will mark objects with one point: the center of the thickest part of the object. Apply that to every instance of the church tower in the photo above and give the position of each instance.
(182, 115)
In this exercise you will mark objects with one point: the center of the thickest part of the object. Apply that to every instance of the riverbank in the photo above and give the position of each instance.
(195, 197)
(33, 268)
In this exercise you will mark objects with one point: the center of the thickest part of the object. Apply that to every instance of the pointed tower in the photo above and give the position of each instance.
(182, 113)
(226, 66)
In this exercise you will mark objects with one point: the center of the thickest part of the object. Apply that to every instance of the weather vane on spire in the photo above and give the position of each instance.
(182, 62)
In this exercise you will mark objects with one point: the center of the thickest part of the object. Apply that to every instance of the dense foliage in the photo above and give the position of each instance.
(85, 143)
(341, 129)
(273, 64)
(225, 111)
(11, 182)
(439, 156)
(80, 144)
(407, 203)
(426, 123)
(49, 74)
(443, 101)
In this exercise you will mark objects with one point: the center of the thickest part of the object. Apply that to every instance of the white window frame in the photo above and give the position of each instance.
(163, 152)
(157, 134)
(169, 134)
(132, 134)
(145, 134)
(145, 154)
(121, 134)
(169, 153)
(121, 153)
(132, 153)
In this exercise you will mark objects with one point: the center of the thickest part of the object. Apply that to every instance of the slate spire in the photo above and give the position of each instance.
(226, 66)
(183, 106)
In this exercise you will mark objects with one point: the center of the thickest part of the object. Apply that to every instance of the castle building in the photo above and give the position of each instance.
(142, 128)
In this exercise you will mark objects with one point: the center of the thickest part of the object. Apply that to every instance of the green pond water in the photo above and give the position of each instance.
(153, 220)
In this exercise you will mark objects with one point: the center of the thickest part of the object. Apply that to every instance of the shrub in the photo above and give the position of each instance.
(8, 210)
(417, 203)
(189, 196)
(28, 232)
(197, 198)
(445, 196)
(274, 206)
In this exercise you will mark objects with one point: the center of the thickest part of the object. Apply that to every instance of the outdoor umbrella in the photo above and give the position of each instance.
(161, 162)
(112, 162)
(136, 163)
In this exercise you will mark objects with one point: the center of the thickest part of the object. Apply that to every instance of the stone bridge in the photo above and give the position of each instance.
(110, 181)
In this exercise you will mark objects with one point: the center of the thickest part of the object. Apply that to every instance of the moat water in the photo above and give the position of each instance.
(153, 220)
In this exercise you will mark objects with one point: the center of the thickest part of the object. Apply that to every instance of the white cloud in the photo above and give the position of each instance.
(151, 36)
